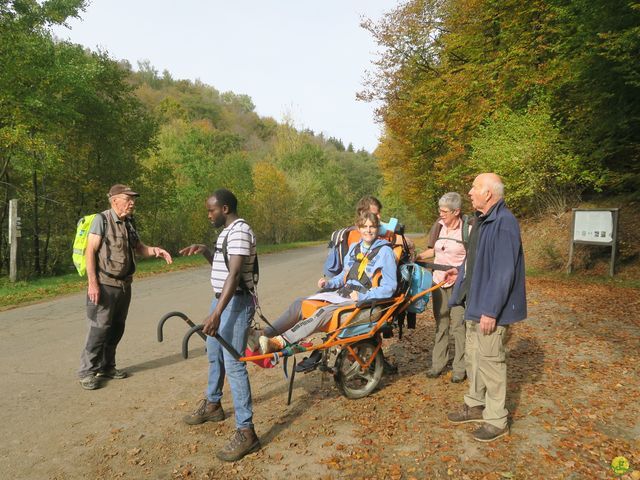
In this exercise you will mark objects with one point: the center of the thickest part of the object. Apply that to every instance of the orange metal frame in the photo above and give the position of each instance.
(399, 304)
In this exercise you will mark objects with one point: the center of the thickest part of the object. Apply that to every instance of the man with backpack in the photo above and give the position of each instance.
(233, 277)
(110, 264)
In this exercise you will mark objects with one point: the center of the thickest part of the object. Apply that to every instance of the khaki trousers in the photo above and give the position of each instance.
(487, 372)
(449, 323)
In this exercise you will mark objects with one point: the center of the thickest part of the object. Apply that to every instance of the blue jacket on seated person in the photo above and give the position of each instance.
(384, 260)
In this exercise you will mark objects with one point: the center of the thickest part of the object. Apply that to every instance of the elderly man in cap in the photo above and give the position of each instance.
(110, 256)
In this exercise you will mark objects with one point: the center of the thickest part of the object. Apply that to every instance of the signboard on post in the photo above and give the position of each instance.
(594, 227)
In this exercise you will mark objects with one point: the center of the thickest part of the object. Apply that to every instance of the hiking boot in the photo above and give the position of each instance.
(270, 345)
(309, 363)
(489, 433)
(433, 374)
(114, 373)
(458, 378)
(90, 382)
(243, 442)
(206, 412)
(467, 414)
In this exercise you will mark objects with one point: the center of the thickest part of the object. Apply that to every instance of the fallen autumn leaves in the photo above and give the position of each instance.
(573, 395)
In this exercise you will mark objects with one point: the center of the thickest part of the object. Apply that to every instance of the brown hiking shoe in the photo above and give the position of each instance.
(243, 442)
(467, 414)
(489, 433)
(206, 412)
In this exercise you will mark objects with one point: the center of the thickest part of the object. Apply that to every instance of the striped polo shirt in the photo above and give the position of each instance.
(241, 241)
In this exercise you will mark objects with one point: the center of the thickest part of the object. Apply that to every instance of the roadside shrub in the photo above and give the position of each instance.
(538, 167)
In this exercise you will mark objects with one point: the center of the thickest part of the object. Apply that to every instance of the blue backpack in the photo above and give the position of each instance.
(419, 279)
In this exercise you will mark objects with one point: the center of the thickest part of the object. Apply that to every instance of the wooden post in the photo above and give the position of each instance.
(14, 234)
(573, 229)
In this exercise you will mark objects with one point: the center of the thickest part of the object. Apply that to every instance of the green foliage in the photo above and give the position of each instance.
(532, 157)
(273, 204)
(69, 127)
(73, 122)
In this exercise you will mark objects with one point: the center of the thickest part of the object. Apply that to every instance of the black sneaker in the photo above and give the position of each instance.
(114, 373)
(309, 363)
(90, 382)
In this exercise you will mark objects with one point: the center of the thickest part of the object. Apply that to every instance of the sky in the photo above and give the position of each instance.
(298, 59)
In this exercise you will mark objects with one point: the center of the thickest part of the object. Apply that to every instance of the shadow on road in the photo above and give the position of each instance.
(525, 363)
(164, 361)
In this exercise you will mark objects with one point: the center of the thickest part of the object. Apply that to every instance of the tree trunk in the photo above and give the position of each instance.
(3, 215)
(45, 258)
(36, 227)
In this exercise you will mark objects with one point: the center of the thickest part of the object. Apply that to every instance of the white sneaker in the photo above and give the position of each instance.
(270, 345)
(253, 339)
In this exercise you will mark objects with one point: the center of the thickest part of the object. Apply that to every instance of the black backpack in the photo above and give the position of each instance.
(338, 247)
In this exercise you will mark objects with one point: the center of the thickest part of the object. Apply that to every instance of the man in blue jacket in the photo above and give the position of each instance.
(491, 285)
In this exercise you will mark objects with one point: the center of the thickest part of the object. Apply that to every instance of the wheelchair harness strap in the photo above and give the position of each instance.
(357, 271)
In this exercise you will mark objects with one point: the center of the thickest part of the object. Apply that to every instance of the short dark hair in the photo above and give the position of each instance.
(226, 197)
(365, 202)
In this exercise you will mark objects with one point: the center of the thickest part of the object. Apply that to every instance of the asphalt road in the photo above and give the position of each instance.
(48, 421)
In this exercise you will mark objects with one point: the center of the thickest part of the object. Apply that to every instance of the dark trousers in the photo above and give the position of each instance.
(106, 326)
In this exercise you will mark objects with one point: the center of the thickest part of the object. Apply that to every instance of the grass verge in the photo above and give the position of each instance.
(35, 290)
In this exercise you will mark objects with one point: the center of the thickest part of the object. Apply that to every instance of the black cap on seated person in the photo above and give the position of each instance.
(119, 189)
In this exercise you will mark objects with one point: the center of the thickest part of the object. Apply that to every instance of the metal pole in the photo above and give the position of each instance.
(573, 229)
(614, 241)
(13, 240)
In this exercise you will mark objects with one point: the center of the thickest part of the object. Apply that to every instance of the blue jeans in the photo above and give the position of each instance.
(234, 328)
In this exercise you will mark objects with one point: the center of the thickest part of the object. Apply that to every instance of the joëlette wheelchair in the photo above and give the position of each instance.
(352, 339)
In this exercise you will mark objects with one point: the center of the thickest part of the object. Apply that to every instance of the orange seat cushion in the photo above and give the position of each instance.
(309, 307)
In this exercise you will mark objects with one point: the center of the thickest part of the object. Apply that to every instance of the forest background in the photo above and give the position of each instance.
(544, 92)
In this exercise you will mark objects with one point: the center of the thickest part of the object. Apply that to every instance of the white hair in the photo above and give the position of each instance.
(450, 200)
(490, 182)
(496, 187)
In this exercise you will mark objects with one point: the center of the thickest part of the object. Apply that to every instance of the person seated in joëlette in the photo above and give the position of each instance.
(355, 284)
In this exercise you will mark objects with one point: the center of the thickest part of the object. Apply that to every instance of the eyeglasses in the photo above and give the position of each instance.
(127, 198)
(445, 212)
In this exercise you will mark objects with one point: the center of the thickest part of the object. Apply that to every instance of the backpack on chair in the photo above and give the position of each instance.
(338, 247)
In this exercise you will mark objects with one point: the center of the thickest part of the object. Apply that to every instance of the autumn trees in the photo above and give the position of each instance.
(73, 122)
(69, 126)
(544, 92)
